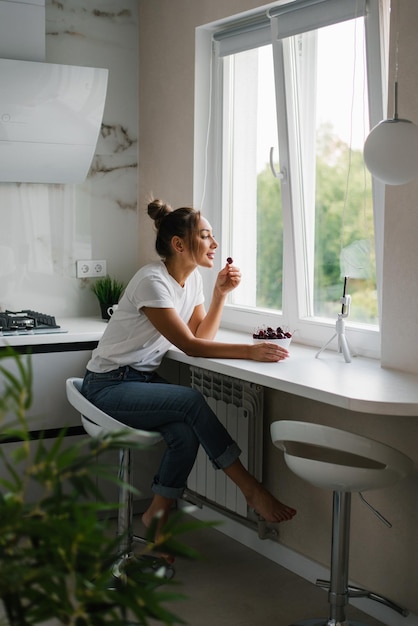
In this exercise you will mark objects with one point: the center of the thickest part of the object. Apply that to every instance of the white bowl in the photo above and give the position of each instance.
(285, 343)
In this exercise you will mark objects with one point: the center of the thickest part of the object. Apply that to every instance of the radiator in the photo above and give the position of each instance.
(239, 406)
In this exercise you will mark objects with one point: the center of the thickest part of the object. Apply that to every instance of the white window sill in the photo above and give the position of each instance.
(362, 385)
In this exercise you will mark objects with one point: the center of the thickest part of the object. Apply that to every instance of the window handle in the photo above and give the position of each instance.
(282, 174)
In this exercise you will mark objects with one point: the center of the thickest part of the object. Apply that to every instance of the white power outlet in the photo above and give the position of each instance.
(89, 268)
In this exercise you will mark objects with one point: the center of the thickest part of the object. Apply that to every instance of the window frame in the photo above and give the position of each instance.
(242, 32)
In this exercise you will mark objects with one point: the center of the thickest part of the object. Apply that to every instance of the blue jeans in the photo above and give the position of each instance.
(181, 414)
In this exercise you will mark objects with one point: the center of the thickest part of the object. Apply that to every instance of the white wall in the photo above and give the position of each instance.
(400, 278)
(46, 228)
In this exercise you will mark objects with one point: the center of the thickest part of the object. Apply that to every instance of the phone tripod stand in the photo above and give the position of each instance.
(343, 347)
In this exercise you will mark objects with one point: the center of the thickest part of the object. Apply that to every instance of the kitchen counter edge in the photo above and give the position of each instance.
(77, 330)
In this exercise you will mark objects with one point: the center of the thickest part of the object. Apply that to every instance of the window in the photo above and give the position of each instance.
(292, 95)
(251, 200)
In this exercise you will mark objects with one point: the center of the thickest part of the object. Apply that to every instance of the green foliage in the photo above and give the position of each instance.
(108, 290)
(269, 242)
(56, 546)
(343, 215)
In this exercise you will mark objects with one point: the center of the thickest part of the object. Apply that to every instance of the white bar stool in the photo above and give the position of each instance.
(97, 423)
(343, 462)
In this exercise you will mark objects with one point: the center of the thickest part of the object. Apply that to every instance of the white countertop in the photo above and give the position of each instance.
(362, 385)
(78, 329)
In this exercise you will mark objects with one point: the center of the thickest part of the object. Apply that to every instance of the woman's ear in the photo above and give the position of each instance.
(177, 244)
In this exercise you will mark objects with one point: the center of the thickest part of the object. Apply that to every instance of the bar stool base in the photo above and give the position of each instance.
(128, 565)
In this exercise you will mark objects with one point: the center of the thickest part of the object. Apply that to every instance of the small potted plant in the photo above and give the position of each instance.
(108, 290)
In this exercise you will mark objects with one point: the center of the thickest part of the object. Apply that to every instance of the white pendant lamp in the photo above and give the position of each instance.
(391, 149)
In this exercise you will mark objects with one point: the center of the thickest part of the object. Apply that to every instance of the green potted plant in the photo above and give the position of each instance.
(56, 546)
(108, 290)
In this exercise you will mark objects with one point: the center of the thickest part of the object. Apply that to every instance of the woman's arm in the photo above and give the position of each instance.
(170, 324)
(205, 325)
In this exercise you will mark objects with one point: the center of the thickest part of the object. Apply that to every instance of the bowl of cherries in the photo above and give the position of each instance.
(276, 335)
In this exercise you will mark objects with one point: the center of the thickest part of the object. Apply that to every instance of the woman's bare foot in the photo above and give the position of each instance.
(267, 507)
(148, 517)
(159, 508)
(257, 496)
(158, 512)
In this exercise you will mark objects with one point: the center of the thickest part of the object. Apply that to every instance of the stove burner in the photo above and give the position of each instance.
(26, 321)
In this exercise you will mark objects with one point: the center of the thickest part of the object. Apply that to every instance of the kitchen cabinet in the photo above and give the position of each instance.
(50, 408)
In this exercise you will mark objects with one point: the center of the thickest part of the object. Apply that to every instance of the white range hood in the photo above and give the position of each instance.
(50, 114)
(50, 117)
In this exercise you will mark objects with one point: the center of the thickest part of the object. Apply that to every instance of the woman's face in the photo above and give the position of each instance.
(206, 244)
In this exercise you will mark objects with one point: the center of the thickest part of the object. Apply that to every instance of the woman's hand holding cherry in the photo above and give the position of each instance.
(228, 278)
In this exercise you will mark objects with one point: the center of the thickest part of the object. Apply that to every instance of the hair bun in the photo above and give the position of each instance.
(157, 210)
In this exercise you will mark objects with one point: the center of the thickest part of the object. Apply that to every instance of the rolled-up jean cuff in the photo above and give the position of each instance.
(228, 457)
(167, 492)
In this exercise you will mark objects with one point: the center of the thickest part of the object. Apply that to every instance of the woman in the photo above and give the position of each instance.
(163, 306)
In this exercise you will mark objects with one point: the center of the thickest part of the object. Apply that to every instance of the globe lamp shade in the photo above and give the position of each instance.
(391, 151)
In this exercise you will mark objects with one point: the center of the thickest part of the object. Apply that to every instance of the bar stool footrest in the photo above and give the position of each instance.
(359, 592)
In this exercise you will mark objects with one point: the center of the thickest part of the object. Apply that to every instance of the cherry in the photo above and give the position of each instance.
(271, 333)
(230, 260)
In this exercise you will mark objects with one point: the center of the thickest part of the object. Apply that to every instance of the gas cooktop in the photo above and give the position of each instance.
(27, 322)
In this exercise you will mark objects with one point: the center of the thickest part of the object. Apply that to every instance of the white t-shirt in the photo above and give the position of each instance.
(130, 338)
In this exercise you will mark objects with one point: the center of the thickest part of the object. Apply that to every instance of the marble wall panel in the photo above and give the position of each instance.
(46, 228)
